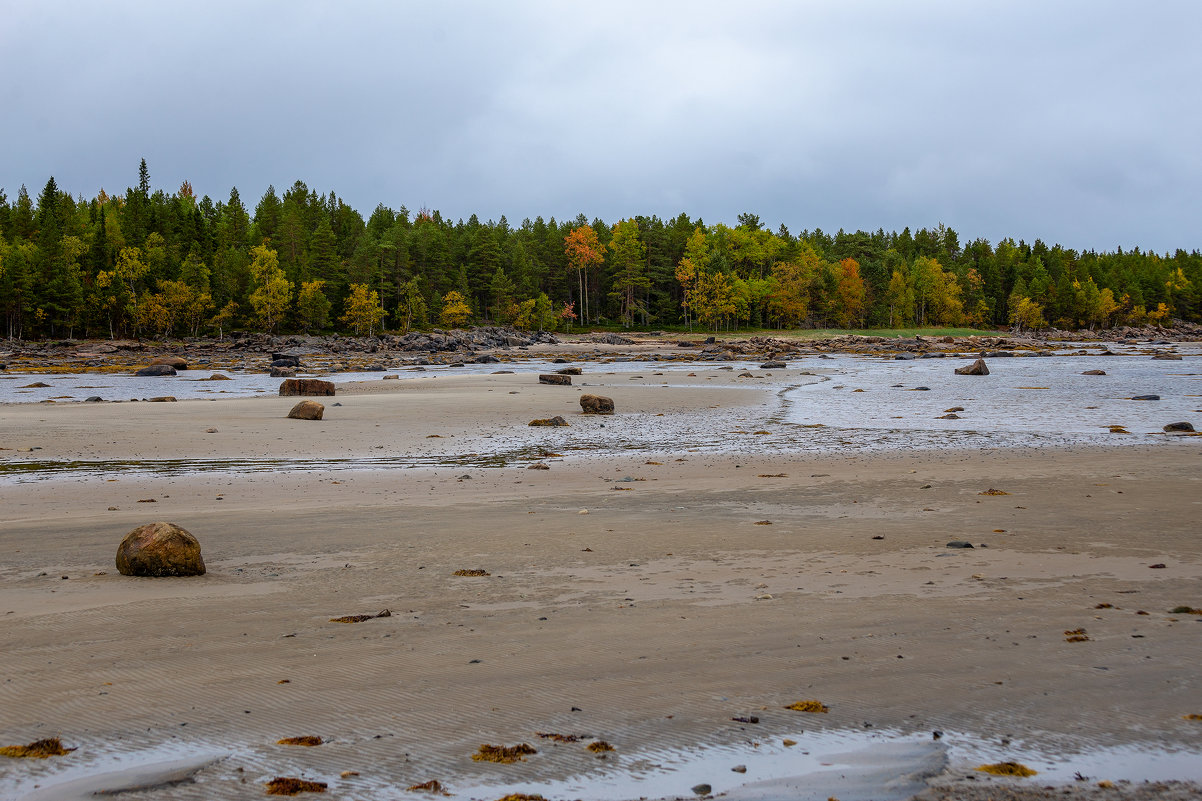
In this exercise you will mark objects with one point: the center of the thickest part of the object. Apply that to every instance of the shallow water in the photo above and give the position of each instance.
(846, 763)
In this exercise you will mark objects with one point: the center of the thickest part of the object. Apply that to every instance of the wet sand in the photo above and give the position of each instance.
(705, 587)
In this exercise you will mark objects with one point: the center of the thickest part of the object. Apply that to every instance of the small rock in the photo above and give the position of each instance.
(162, 399)
(93, 399)
(773, 365)
(549, 421)
(1167, 357)
(538, 466)
(570, 371)
(1094, 372)
(307, 410)
(1145, 397)
(702, 789)
(959, 544)
(283, 372)
(739, 769)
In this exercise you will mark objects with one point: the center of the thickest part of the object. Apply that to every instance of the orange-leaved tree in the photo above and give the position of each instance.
(583, 250)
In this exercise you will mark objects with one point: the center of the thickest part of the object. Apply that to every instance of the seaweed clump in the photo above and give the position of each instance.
(473, 572)
(1185, 610)
(1076, 635)
(307, 740)
(504, 754)
(1007, 769)
(816, 707)
(559, 738)
(361, 618)
(992, 491)
(38, 749)
(432, 786)
(1192, 716)
(600, 747)
(288, 785)
(522, 797)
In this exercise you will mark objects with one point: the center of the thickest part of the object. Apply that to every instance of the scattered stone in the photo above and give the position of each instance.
(35, 385)
(570, 371)
(1094, 372)
(162, 399)
(596, 404)
(159, 549)
(949, 416)
(739, 769)
(538, 466)
(959, 544)
(283, 372)
(156, 370)
(1167, 357)
(555, 378)
(1145, 397)
(306, 386)
(284, 360)
(392, 377)
(307, 410)
(773, 365)
(1183, 427)
(93, 399)
(178, 362)
(954, 409)
(549, 421)
(218, 377)
(702, 789)
(486, 359)
(976, 368)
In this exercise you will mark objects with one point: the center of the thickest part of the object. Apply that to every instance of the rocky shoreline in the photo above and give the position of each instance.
(494, 344)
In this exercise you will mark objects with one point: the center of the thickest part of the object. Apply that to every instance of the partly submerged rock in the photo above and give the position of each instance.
(976, 368)
(156, 370)
(159, 549)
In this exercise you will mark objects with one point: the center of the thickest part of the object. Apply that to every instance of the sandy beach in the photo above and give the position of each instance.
(659, 600)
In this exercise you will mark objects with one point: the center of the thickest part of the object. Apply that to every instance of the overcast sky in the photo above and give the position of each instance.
(1074, 122)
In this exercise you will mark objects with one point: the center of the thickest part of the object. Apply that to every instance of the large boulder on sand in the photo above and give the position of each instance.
(596, 404)
(976, 368)
(555, 378)
(306, 386)
(156, 369)
(159, 549)
(307, 410)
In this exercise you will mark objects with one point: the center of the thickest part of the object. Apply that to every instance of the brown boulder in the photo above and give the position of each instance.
(1094, 372)
(178, 362)
(283, 372)
(307, 410)
(976, 368)
(554, 378)
(155, 370)
(570, 371)
(596, 404)
(306, 386)
(159, 549)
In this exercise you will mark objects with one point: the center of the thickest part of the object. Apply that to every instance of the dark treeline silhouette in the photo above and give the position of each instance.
(149, 263)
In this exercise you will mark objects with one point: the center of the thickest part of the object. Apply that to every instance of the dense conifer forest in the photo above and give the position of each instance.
(146, 263)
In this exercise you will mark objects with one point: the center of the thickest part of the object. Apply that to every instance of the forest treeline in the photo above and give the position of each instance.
(149, 263)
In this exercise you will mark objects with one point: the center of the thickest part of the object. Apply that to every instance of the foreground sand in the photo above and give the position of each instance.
(698, 588)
